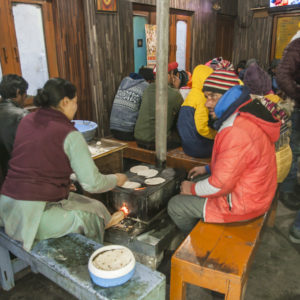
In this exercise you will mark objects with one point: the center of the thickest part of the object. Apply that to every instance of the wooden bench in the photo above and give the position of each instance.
(176, 158)
(218, 256)
(64, 261)
(133, 151)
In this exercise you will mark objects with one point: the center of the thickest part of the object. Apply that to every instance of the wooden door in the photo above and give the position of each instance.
(180, 40)
(26, 26)
(9, 56)
(176, 42)
(225, 36)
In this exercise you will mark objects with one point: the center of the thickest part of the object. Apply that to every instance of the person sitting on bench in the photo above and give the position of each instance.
(127, 102)
(197, 137)
(243, 177)
(144, 131)
(35, 201)
(13, 92)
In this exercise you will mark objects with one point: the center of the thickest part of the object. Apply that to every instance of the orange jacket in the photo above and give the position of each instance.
(243, 167)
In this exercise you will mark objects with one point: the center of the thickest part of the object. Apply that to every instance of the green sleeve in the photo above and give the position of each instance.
(84, 167)
(179, 102)
(176, 101)
(176, 105)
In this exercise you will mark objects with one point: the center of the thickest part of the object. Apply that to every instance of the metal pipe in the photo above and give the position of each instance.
(161, 105)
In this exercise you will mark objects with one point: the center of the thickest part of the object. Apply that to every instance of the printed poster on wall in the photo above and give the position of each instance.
(151, 44)
(286, 29)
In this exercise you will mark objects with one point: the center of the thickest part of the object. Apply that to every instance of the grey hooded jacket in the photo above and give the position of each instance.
(126, 104)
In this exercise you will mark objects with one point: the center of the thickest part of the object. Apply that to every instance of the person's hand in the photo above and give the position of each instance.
(72, 187)
(121, 178)
(185, 188)
(116, 218)
(176, 82)
(197, 171)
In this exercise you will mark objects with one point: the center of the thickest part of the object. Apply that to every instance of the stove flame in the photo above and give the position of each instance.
(139, 189)
(124, 209)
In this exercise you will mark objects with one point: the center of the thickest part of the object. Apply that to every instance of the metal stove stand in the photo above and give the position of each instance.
(147, 240)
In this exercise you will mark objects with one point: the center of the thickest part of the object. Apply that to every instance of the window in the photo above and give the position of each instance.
(28, 23)
(180, 40)
(181, 32)
(27, 41)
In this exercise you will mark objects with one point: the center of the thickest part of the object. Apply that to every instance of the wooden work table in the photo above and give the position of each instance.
(108, 155)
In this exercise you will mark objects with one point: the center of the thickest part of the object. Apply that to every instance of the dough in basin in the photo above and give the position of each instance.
(112, 260)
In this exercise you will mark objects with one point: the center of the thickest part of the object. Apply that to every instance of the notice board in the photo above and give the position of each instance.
(284, 28)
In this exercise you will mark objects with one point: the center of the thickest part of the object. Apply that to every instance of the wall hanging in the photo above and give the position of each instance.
(106, 6)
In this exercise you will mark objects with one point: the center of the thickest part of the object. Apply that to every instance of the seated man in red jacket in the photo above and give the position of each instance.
(242, 174)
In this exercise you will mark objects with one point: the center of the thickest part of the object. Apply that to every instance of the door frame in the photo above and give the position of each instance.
(174, 18)
(10, 45)
(175, 15)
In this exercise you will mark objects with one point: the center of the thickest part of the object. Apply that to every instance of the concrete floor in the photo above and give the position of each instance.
(275, 273)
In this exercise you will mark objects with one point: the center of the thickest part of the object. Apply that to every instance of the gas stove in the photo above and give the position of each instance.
(147, 229)
(146, 202)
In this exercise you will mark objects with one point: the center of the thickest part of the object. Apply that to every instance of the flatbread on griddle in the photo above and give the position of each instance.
(148, 173)
(131, 185)
(138, 168)
(154, 180)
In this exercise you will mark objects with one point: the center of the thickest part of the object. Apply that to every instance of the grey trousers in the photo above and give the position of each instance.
(186, 211)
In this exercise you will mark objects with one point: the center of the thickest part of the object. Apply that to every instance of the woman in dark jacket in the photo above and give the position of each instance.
(35, 201)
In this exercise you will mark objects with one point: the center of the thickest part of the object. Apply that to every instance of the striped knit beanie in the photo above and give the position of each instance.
(220, 81)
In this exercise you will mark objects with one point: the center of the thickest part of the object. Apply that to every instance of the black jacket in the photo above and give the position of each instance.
(10, 116)
(288, 71)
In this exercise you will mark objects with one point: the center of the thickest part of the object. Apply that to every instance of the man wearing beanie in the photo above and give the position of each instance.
(144, 131)
(259, 84)
(193, 122)
(242, 177)
(257, 80)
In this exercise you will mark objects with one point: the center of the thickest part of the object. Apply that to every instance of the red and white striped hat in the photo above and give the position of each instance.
(220, 81)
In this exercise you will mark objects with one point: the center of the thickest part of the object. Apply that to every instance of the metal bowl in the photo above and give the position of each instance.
(87, 128)
(115, 277)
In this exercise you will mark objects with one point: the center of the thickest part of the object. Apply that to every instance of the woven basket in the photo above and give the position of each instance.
(283, 160)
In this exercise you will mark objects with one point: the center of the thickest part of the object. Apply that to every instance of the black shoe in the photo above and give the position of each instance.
(294, 235)
(290, 200)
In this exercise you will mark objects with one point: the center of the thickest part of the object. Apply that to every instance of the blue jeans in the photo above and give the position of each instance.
(290, 183)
